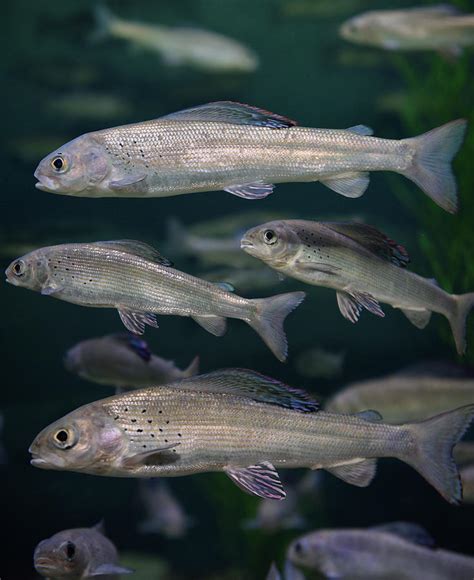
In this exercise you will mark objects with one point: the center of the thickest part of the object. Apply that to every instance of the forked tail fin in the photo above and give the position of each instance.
(431, 167)
(432, 453)
(269, 317)
(458, 319)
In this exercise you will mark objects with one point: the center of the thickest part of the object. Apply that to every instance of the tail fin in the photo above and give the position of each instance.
(432, 455)
(431, 167)
(104, 19)
(193, 368)
(269, 317)
(463, 305)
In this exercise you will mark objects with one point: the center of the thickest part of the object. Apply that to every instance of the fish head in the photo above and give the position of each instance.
(273, 242)
(73, 359)
(327, 551)
(61, 556)
(30, 271)
(85, 440)
(356, 29)
(78, 166)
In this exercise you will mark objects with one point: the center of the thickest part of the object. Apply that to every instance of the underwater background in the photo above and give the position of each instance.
(308, 73)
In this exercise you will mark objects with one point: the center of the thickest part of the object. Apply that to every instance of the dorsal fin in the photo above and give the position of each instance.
(408, 531)
(246, 383)
(233, 113)
(372, 240)
(137, 249)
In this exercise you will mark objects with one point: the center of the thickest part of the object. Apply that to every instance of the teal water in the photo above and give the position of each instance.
(307, 73)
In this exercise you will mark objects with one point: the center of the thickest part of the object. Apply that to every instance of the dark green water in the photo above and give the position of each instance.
(47, 54)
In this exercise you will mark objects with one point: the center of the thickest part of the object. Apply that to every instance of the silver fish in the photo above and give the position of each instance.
(136, 280)
(245, 425)
(185, 46)
(396, 551)
(467, 478)
(244, 151)
(442, 28)
(164, 513)
(363, 265)
(78, 553)
(319, 362)
(124, 361)
(412, 394)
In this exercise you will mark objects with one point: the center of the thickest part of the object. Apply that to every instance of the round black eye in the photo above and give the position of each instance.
(269, 236)
(58, 163)
(70, 551)
(298, 548)
(19, 268)
(62, 436)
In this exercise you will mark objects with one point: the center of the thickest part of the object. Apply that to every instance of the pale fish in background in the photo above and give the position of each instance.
(273, 516)
(139, 282)
(362, 264)
(89, 105)
(244, 151)
(442, 28)
(395, 551)
(245, 279)
(164, 513)
(467, 478)
(124, 361)
(411, 394)
(321, 363)
(181, 46)
(78, 553)
(246, 425)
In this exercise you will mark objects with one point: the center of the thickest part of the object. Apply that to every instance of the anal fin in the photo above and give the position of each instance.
(349, 184)
(419, 318)
(216, 325)
(359, 474)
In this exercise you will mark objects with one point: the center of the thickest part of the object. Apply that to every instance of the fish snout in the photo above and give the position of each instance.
(44, 183)
(246, 244)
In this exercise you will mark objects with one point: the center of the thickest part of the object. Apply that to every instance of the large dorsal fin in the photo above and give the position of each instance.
(137, 249)
(372, 240)
(233, 113)
(246, 383)
(408, 531)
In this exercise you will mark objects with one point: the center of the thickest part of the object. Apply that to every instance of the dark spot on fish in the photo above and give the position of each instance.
(139, 430)
(152, 435)
(179, 435)
(117, 417)
(121, 144)
(143, 410)
(144, 446)
(150, 421)
(134, 142)
(126, 409)
(160, 412)
(166, 440)
(161, 430)
(167, 422)
(134, 420)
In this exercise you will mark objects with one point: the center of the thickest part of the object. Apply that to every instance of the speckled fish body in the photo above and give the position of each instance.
(196, 425)
(245, 151)
(379, 554)
(139, 283)
(363, 265)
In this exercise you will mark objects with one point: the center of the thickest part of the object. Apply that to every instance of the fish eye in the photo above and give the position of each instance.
(70, 550)
(64, 438)
(298, 548)
(59, 164)
(19, 268)
(269, 237)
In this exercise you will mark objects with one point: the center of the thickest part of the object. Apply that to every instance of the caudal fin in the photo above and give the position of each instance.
(269, 317)
(193, 368)
(463, 305)
(432, 454)
(431, 167)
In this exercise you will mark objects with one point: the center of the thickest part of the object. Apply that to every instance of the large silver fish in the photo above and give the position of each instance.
(441, 27)
(396, 551)
(78, 553)
(136, 280)
(363, 265)
(245, 425)
(412, 394)
(124, 361)
(245, 151)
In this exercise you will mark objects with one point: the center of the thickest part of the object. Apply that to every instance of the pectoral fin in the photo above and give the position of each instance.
(136, 321)
(261, 479)
(157, 456)
(419, 318)
(351, 304)
(108, 570)
(348, 185)
(257, 190)
(216, 325)
(359, 474)
(127, 182)
(51, 288)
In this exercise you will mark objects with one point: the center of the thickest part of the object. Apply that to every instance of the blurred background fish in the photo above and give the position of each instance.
(274, 516)
(318, 362)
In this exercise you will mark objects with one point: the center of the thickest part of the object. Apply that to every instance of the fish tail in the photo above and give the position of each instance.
(463, 303)
(193, 368)
(269, 317)
(431, 167)
(432, 454)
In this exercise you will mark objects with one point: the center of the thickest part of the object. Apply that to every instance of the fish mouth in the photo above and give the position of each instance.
(38, 462)
(244, 244)
(44, 183)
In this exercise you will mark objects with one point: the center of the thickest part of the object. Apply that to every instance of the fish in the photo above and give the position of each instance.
(246, 425)
(411, 394)
(442, 28)
(467, 478)
(139, 282)
(200, 49)
(165, 515)
(245, 151)
(273, 573)
(362, 264)
(78, 553)
(124, 361)
(389, 551)
(319, 362)
(273, 516)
